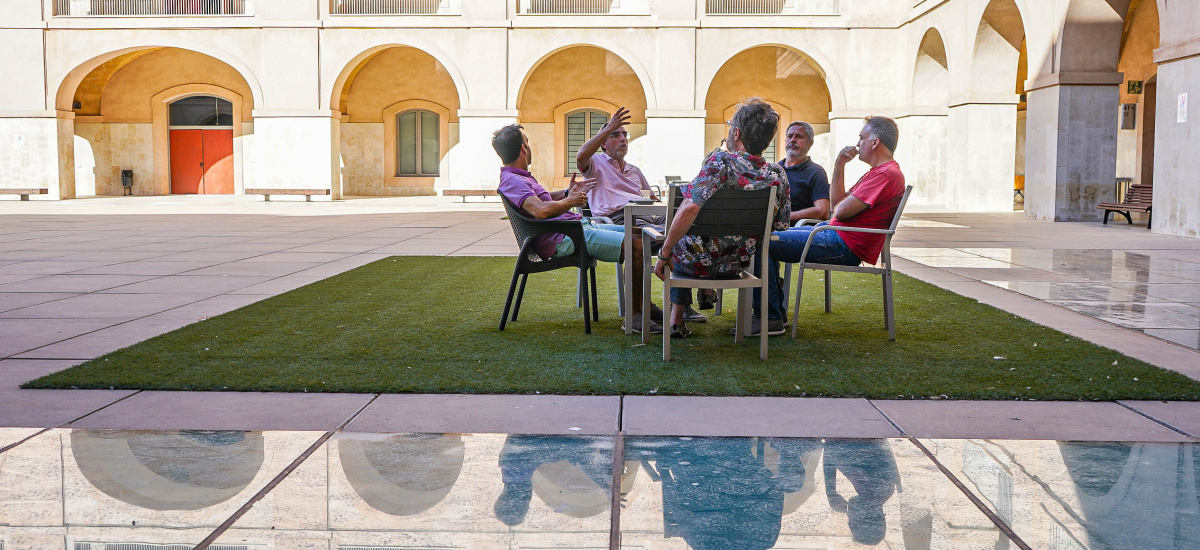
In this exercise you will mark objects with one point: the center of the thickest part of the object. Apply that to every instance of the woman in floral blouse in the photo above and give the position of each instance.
(742, 167)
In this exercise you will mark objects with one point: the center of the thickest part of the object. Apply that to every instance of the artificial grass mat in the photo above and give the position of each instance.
(429, 325)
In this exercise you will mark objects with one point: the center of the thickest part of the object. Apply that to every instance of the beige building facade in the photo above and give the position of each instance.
(400, 97)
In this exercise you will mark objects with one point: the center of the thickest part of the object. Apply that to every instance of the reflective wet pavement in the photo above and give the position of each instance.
(155, 490)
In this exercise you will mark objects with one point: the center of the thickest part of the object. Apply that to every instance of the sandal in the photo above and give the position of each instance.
(680, 331)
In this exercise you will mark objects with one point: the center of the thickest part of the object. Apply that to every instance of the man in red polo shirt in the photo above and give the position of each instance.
(871, 203)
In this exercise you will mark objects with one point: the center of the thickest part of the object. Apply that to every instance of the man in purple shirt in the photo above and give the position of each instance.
(603, 241)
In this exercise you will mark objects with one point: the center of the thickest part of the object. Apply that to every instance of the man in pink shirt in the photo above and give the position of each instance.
(619, 182)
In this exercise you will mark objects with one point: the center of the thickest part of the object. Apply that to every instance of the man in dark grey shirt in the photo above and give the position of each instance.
(808, 181)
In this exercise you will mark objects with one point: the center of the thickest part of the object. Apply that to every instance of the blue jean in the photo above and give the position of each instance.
(603, 241)
(827, 248)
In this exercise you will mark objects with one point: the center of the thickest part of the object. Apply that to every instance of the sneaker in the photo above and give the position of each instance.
(707, 298)
(680, 331)
(656, 313)
(692, 316)
(774, 327)
(636, 319)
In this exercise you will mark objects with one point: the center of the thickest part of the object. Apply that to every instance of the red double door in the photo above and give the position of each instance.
(202, 162)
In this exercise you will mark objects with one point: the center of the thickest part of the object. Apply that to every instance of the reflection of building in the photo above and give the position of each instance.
(397, 97)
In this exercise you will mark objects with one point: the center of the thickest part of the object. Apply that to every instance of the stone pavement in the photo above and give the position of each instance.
(82, 278)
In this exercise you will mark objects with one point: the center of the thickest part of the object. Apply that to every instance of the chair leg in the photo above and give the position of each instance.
(666, 333)
(512, 287)
(1107, 213)
(720, 302)
(796, 306)
(520, 295)
(620, 289)
(787, 281)
(828, 293)
(889, 311)
(595, 302)
(583, 291)
(762, 330)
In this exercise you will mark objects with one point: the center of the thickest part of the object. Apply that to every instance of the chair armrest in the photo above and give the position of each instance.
(650, 233)
(604, 219)
(807, 221)
(855, 229)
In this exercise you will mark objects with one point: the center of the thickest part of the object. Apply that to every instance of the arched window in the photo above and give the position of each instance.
(418, 143)
(581, 126)
(201, 110)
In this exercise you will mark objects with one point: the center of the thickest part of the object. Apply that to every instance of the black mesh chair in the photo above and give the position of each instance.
(527, 229)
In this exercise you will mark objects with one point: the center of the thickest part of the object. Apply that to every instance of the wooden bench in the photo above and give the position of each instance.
(464, 193)
(23, 192)
(1139, 198)
(308, 193)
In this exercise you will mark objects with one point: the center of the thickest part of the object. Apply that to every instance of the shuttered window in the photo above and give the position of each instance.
(417, 143)
(581, 126)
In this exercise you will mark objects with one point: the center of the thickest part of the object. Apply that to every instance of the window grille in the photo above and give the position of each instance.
(771, 7)
(151, 7)
(418, 144)
(581, 126)
(387, 7)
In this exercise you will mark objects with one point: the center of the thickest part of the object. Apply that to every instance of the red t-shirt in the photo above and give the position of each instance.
(881, 187)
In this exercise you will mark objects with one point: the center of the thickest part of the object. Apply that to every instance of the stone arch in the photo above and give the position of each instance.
(931, 72)
(64, 94)
(350, 69)
(996, 54)
(1090, 41)
(120, 101)
(562, 81)
(530, 66)
(782, 76)
(809, 52)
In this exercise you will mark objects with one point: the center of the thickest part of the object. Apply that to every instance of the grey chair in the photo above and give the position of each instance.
(526, 229)
(885, 269)
(728, 212)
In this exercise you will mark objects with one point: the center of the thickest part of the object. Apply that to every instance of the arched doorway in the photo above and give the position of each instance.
(201, 136)
(123, 103)
(567, 97)
(787, 79)
(1135, 137)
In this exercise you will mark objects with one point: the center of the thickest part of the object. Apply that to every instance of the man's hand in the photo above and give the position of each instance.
(619, 119)
(661, 268)
(578, 190)
(847, 154)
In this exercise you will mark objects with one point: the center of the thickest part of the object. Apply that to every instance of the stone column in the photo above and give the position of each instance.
(673, 145)
(982, 144)
(37, 150)
(1071, 146)
(1177, 144)
(297, 150)
(922, 155)
(473, 163)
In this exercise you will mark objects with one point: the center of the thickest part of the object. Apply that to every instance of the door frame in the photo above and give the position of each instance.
(161, 120)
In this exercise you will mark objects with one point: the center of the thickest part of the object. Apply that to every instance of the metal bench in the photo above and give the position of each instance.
(464, 193)
(308, 193)
(1139, 198)
(23, 192)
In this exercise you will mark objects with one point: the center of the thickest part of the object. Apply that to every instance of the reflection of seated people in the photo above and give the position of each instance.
(716, 492)
(871, 469)
(1137, 495)
(522, 455)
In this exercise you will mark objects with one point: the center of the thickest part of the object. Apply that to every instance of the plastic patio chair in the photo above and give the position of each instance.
(526, 229)
(728, 212)
(885, 269)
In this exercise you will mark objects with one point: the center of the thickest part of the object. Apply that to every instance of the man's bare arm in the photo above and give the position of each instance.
(583, 158)
(576, 195)
(818, 211)
(849, 207)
